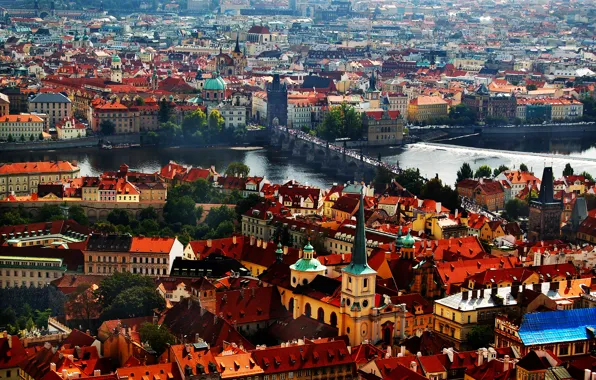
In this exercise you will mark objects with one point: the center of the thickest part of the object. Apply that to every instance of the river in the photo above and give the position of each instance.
(444, 159)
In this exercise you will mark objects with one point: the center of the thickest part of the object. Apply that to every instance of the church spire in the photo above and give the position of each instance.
(237, 48)
(359, 262)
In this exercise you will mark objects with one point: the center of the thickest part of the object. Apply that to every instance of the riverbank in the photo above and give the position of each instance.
(85, 142)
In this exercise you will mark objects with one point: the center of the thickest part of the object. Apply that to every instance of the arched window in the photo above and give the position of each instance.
(307, 310)
(291, 306)
(333, 319)
(321, 315)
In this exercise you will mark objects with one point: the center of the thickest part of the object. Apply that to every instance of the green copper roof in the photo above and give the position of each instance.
(308, 248)
(359, 263)
(308, 265)
(279, 249)
(115, 58)
(215, 83)
(399, 239)
(408, 241)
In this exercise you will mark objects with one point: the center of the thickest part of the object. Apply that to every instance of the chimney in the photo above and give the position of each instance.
(71, 358)
(234, 239)
(456, 213)
(464, 295)
(285, 249)
(97, 372)
(64, 374)
(413, 366)
(259, 241)
(554, 286)
(587, 374)
(53, 367)
(494, 290)
(480, 356)
(209, 243)
(252, 240)
(514, 290)
(506, 363)
(438, 206)
(265, 244)
(593, 375)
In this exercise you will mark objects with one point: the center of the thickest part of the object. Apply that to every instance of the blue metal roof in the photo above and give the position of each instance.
(557, 326)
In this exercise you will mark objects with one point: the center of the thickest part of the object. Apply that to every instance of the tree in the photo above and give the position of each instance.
(180, 210)
(104, 227)
(31, 137)
(139, 101)
(218, 215)
(77, 213)
(464, 172)
(148, 213)
(516, 208)
(383, 178)
(587, 176)
(165, 111)
(111, 286)
(340, 122)
(202, 190)
(194, 122)
(480, 336)
(170, 132)
(246, 204)
(50, 212)
(199, 212)
(83, 304)
(411, 180)
(500, 170)
(568, 170)
(22, 138)
(157, 336)
(10, 138)
(119, 217)
(435, 190)
(461, 114)
(483, 172)
(149, 227)
(215, 124)
(133, 302)
(107, 127)
(237, 169)
(224, 229)
(40, 137)
(523, 168)
(531, 87)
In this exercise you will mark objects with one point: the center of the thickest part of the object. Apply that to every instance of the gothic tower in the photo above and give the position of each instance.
(358, 288)
(545, 211)
(277, 102)
(116, 69)
(372, 94)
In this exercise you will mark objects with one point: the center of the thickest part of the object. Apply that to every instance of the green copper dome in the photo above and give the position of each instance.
(280, 250)
(308, 265)
(215, 83)
(408, 241)
(115, 58)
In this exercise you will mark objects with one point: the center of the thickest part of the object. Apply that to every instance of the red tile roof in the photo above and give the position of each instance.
(151, 244)
(300, 357)
(38, 167)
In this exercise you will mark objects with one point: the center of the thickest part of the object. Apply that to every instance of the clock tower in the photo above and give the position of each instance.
(358, 289)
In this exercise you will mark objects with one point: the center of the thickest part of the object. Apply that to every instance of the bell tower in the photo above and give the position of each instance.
(358, 286)
(372, 94)
(116, 69)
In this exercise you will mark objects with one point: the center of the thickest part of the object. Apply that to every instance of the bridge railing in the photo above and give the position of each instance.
(349, 152)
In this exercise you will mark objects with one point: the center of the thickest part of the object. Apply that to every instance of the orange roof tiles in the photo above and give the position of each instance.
(38, 167)
(151, 244)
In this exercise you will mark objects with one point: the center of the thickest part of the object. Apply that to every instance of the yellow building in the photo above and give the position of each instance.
(21, 127)
(22, 178)
(351, 306)
(491, 230)
(426, 108)
(31, 272)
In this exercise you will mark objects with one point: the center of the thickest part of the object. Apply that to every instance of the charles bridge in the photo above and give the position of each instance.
(328, 157)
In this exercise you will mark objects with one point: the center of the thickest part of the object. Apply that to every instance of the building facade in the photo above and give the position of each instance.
(24, 127)
(277, 103)
(56, 106)
(24, 177)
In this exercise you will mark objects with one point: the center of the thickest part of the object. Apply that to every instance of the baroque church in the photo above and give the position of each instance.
(233, 64)
(351, 305)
